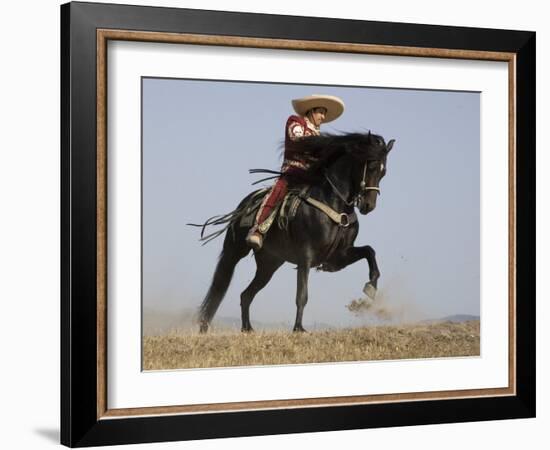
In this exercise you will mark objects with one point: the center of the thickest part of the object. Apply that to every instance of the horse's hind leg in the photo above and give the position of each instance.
(301, 296)
(234, 249)
(266, 266)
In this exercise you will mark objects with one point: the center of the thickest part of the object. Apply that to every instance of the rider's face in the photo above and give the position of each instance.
(317, 116)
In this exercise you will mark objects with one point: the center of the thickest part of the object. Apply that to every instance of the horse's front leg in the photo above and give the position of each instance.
(301, 296)
(352, 255)
(370, 287)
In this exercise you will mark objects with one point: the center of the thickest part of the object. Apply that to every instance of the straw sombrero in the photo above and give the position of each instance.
(333, 105)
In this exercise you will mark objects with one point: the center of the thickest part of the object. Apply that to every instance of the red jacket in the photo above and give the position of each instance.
(296, 128)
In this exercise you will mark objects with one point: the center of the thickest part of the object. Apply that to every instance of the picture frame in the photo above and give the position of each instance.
(86, 418)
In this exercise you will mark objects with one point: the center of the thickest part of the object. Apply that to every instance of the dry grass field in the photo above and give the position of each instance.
(233, 348)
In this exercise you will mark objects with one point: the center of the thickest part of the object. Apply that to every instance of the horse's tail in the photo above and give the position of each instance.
(234, 249)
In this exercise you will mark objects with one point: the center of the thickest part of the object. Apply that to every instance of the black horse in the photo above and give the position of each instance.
(346, 174)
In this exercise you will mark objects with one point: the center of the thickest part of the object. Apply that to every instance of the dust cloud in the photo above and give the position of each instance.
(391, 305)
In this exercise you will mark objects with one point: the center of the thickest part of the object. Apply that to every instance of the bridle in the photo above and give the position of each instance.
(363, 188)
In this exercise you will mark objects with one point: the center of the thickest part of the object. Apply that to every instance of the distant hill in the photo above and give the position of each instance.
(456, 318)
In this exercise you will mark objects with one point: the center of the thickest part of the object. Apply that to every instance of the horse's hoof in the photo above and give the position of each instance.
(247, 330)
(369, 290)
(299, 329)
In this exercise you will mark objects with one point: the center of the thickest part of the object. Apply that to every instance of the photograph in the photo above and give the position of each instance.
(289, 223)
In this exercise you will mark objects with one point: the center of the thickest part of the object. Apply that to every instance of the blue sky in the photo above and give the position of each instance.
(201, 137)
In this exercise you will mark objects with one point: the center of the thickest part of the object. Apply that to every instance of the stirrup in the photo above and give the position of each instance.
(254, 239)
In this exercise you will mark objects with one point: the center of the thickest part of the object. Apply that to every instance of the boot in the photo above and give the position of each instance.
(254, 238)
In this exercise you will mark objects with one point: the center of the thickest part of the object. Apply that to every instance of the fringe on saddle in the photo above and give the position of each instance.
(235, 216)
(249, 207)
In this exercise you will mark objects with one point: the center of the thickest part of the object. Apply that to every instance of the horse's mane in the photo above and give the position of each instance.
(326, 148)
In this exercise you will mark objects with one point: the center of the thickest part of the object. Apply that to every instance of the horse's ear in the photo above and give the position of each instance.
(389, 145)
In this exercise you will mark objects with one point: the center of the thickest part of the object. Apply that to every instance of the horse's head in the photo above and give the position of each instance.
(370, 152)
(356, 162)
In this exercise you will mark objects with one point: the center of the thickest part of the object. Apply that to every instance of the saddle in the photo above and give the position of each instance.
(286, 210)
(283, 213)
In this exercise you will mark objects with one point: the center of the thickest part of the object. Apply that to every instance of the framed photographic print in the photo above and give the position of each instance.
(278, 224)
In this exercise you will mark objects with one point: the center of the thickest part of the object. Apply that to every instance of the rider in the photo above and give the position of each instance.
(312, 111)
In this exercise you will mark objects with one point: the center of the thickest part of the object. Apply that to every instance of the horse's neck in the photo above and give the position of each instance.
(339, 174)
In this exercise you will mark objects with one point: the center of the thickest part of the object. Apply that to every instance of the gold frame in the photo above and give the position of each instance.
(103, 36)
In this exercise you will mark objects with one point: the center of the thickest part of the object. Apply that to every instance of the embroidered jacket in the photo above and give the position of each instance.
(297, 128)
